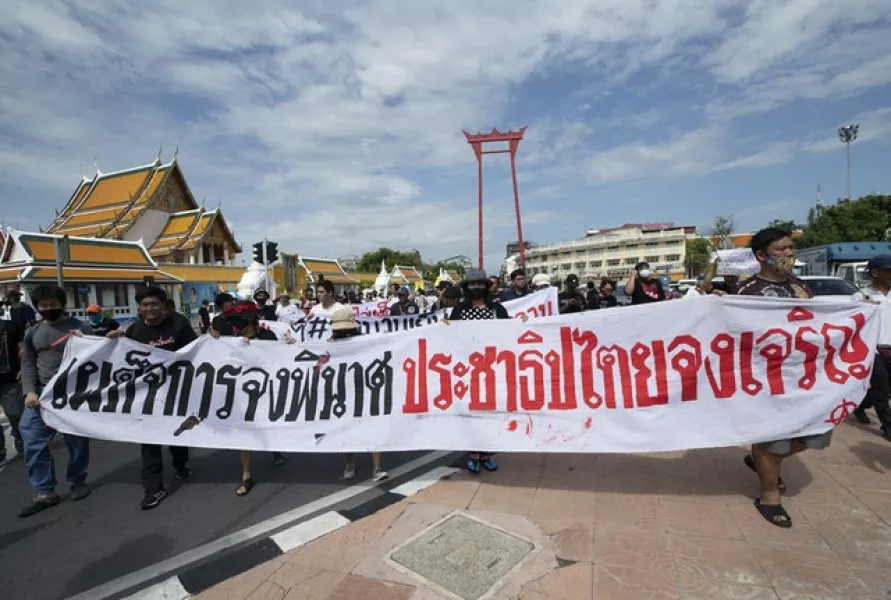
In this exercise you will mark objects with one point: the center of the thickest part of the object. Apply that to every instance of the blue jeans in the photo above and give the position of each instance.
(37, 438)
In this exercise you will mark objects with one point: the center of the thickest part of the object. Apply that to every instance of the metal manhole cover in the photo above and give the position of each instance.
(463, 556)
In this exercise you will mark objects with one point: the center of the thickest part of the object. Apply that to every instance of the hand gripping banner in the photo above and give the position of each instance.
(660, 377)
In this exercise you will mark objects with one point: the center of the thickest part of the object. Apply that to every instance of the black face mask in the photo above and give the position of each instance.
(475, 293)
(51, 314)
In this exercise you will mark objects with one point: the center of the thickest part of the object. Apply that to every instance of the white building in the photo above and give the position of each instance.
(613, 252)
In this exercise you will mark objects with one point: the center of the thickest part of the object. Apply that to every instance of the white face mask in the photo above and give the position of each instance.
(645, 273)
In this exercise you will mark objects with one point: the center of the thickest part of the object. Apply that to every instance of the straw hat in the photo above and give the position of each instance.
(343, 319)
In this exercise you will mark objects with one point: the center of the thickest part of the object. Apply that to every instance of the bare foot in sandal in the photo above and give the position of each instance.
(245, 488)
(774, 514)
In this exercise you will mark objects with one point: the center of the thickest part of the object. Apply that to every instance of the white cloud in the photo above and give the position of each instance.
(345, 118)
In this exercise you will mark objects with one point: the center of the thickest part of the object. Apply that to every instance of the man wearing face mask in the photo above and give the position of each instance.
(879, 393)
(642, 287)
(267, 311)
(775, 252)
(43, 348)
(100, 323)
(478, 305)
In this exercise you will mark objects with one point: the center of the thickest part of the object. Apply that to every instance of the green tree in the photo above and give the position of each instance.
(864, 219)
(698, 256)
(787, 226)
(431, 271)
(371, 261)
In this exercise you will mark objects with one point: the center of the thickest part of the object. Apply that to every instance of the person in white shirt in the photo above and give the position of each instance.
(286, 308)
(879, 394)
(327, 305)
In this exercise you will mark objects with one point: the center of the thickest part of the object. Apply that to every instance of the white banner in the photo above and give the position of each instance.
(739, 261)
(317, 329)
(665, 376)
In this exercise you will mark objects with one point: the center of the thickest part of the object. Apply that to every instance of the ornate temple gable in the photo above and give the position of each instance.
(406, 276)
(186, 231)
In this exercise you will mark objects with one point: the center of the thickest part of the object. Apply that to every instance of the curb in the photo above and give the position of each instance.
(195, 579)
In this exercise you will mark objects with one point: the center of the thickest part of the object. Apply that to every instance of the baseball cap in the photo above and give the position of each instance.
(573, 278)
(882, 261)
(94, 308)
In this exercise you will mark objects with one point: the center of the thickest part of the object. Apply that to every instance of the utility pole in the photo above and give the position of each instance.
(61, 247)
(846, 135)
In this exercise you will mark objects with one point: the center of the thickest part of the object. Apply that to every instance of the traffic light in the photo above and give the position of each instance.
(271, 252)
(258, 252)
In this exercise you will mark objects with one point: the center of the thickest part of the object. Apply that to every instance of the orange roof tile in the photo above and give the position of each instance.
(119, 188)
(205, 273)
(41, 248)
(91, 218)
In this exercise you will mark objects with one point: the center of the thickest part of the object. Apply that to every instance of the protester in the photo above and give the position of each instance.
(404, 306)
(571, 300)
(642, 287)
(541, 281)
(392, 298)
(495, 287)
(328, 304)
(307, 301)
(13, 324)
(286, 308)
(20, 312)
(518, 287)
(244, 320)
(605, 297)
(100, 324)
(43, 348)
(450, 299)
(160, 330)
(879, 393)
(343, 327)
(204, 317)
(775, 252)
(478, 305)
(266, 310)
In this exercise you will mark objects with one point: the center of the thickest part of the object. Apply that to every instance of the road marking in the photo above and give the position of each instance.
(307, 531)
(170, 565)
(169, 589)
(409, 488)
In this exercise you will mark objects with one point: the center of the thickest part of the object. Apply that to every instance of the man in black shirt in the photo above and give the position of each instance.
(204, 317)
(571, 299)
(12, 334)
(643, 287)
(267, 311)
(403, 305)
(159, 330)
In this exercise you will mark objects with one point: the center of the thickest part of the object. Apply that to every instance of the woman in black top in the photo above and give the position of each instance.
(243, 320)
(478, 305)
(606, 298)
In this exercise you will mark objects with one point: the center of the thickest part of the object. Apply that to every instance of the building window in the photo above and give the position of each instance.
(652, 259)
(651, 245)
(631, 261)
(614, 262)
(566, 266)
(673, 258)
(595, 263)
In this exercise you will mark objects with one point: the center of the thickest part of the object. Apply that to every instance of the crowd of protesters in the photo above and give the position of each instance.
(32, 343)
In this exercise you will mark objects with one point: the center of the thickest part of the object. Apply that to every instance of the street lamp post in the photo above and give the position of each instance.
(847, 134)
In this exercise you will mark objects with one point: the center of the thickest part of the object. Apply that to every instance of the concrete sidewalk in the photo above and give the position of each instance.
(622, 527)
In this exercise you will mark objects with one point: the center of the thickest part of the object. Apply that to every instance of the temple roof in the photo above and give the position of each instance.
(109, 203)
(406, 276)
(329, 267)
(33, 258)
(219, 274)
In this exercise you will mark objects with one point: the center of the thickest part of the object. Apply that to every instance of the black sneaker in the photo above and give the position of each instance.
(79, 491)
(861, 415)
(183, 473)
(152, 499)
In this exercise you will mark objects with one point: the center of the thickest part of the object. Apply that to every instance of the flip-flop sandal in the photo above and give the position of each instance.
(750, 462)
(247, 485)
(774, 514)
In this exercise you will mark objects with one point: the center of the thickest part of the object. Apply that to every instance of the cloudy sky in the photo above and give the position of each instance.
(334, 127)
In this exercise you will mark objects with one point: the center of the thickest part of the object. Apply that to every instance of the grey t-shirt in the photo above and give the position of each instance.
(43, 349)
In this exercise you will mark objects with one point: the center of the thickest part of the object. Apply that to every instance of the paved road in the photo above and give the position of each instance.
(76, 546)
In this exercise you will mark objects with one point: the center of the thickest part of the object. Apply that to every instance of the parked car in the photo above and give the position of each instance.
(830, 286)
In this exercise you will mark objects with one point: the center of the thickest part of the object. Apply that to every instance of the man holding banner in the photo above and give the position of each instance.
(775, 252)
